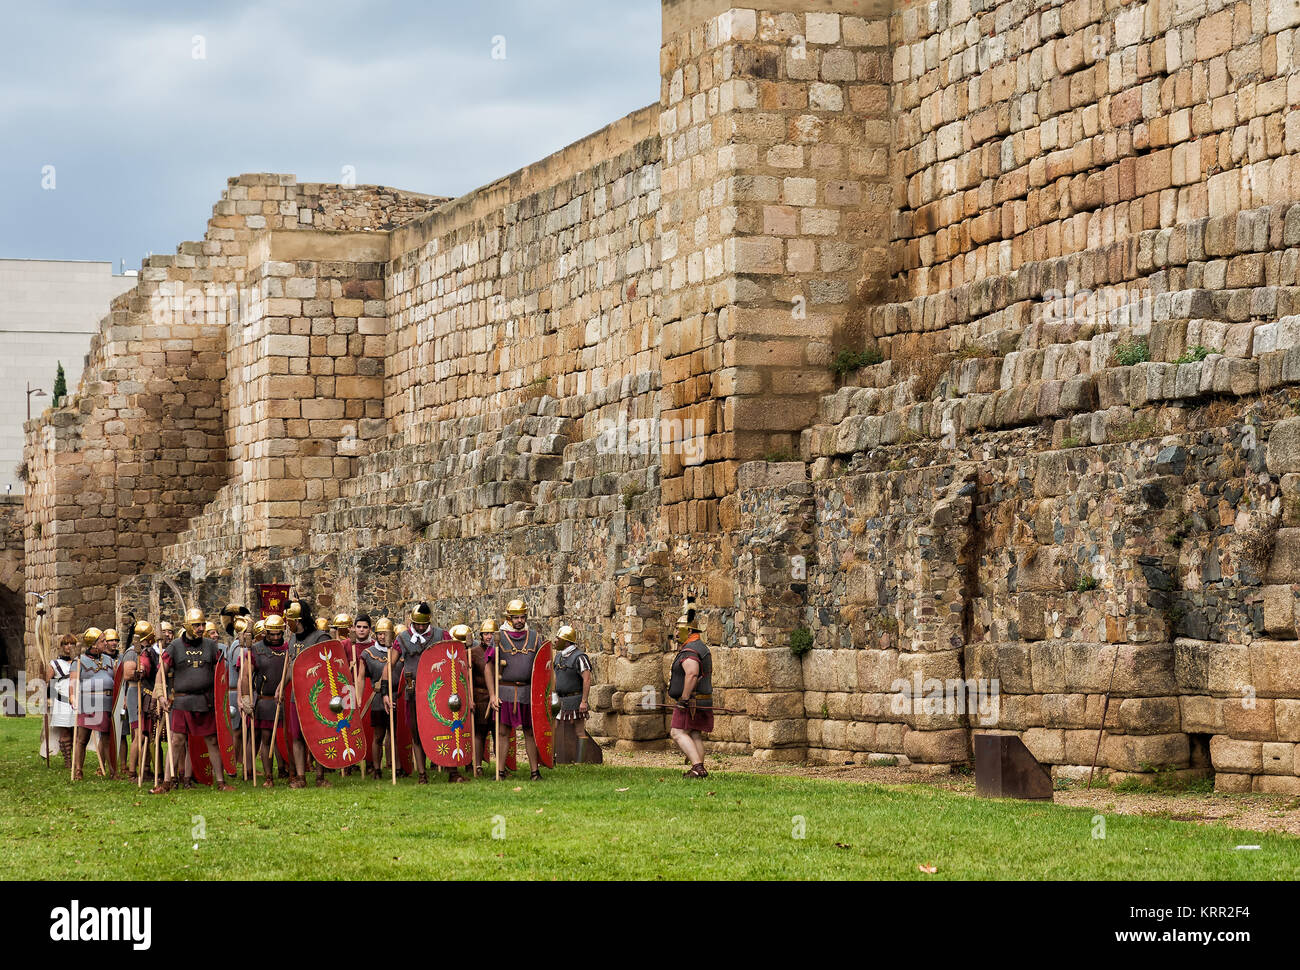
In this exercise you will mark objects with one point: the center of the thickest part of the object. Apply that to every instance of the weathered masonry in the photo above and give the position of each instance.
(963, 339)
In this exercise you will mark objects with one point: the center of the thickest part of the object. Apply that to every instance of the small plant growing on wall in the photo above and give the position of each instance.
(801, 641)
(847, 361)
(1086, 584)
(1137, 352)
(631, 493)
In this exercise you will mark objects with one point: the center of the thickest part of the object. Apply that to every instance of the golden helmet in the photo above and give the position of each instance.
(422, 614)
(488, 626)
(322, 623)
(110, 636)
(401, 628)
(294, 612)
(166, 628)
(383, 625)
(460, 632)
(259, 628)
(241, 624)
(516, 608)
(91, 636)
(194, 622)
(568, 634)
(143, 630)
(209, 629)
(273, 624)
(342, 622)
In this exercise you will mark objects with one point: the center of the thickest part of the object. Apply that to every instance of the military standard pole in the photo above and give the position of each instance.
(392, 719)
(496, 738)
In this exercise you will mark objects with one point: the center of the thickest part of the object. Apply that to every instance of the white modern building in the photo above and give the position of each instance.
(49, 309)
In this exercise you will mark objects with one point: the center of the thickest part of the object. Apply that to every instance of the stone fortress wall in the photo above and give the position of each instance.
(605, 382)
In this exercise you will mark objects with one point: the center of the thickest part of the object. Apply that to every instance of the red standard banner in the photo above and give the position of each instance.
(274, 599)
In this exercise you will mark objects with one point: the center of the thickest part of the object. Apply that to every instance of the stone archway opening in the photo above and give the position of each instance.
(12, 655)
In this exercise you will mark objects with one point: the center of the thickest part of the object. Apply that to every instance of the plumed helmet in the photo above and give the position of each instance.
(422, 614)
(110, 636)
(568, 634)
(194, 622)
(342, 622)
(460, 632)
(91, 636)
(688, 622)
(383, 625)
(516, 608)
(488, 626)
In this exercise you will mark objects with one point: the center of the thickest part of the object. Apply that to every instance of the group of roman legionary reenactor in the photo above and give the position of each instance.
(366, 692)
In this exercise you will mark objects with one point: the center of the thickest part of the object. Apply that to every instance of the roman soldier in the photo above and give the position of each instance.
(375, 660)
(191, 660)
(410, 644)
(121, 732)
(261, 672)
(485, 689)
(139, 666)
(241, 633)
(166, 634)
(305, 632)
(518, 646)
(63, 720)
(691, 686)
(344, 632)
(92, 697)
(355, 636)
(572, 677)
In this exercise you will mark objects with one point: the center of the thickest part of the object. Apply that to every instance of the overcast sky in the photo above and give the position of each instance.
(142, 134)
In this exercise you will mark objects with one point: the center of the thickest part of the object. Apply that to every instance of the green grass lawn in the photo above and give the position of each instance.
(578, 824)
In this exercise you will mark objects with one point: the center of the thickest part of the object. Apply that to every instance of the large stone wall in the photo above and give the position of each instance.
(1069, 235)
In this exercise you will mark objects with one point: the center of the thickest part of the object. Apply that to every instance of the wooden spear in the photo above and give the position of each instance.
(1105, 707)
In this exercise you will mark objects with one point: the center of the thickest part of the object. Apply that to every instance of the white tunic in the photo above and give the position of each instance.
(61, 714)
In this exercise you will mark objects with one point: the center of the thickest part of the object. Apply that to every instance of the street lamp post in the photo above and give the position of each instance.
(30, 392)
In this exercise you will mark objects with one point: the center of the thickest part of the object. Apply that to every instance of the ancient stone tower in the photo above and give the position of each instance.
(956, 341)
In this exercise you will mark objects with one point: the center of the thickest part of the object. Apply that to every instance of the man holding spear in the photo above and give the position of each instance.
(262, 672)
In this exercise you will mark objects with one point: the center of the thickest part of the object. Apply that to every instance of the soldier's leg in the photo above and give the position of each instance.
(264, 753)
(530, 743)
(181, 767)
(377, 752)
(79, 738)
(214, 758)
(687, 744)
(501, 743)
(64, 736)
(417, 751)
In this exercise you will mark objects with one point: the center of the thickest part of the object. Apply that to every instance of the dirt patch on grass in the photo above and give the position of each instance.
(1257, 813)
